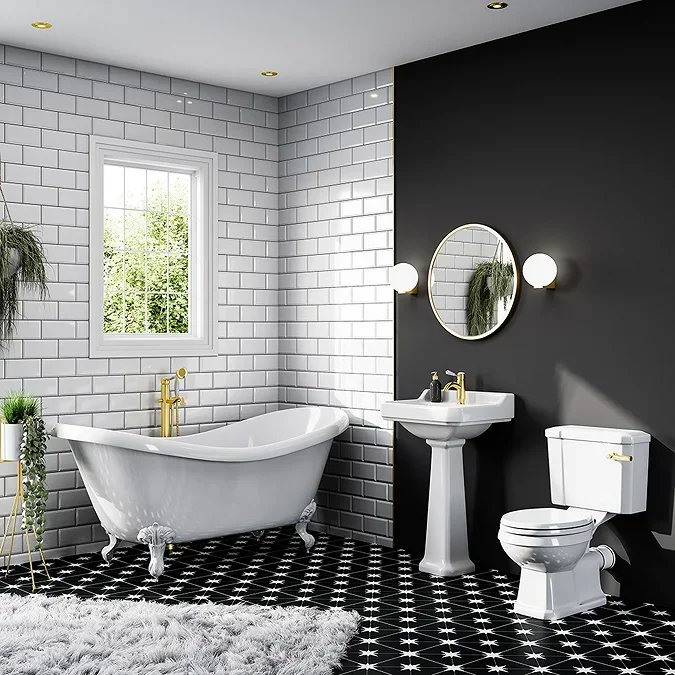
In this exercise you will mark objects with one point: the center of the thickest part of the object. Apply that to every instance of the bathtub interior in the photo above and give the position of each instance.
(271, 428)
(255, 439)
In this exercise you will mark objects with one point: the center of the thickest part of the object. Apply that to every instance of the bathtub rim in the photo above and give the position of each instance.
(336, 422)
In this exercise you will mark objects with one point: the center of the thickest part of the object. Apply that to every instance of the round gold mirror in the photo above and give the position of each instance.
(473, 279)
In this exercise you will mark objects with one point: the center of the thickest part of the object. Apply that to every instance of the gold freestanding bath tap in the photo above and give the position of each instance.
(170, 403)
(458, 385)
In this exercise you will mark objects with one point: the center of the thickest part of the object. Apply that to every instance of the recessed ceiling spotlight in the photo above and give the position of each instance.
(269, 73)
(497, 5)
(43, 25)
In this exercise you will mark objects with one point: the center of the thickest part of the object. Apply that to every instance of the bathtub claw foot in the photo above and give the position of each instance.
(156, 537)
(258, 534)
(107, 551)
(301, 525)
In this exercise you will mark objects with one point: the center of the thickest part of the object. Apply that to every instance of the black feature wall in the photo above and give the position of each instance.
(562, 139)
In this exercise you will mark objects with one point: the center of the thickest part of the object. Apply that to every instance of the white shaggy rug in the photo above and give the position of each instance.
(44, 635)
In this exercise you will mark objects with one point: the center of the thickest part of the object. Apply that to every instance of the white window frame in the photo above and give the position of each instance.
(202, 339)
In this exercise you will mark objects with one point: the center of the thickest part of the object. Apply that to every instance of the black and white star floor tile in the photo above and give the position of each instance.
(410, 621)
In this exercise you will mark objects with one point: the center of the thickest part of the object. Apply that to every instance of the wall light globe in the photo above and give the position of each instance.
(540, 271)
(403, 278)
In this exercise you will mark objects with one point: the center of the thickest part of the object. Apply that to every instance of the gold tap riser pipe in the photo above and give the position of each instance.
(166, 407)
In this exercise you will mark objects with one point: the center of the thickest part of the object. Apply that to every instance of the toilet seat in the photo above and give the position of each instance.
(546, 522)
(545, 527)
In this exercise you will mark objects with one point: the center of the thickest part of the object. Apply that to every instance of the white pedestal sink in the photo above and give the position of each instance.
(445, 426)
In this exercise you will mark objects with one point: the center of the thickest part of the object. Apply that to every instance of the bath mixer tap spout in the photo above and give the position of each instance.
(169, 404)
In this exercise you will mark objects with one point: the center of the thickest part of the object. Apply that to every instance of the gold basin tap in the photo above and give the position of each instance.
(458, 385)
(169, 403)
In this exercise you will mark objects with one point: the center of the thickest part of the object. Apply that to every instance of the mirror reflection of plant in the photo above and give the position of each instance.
(491, 282)
(147, 283)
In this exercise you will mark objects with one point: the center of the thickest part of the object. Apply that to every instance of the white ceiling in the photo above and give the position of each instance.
(309, 42)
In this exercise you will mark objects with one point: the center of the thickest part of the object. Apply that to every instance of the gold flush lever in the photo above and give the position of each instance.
(619, 458)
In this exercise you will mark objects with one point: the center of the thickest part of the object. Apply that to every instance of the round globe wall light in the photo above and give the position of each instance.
(540, 271)
(403, 278)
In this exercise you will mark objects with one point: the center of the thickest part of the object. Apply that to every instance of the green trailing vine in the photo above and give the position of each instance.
(492, 281)
(33, 448)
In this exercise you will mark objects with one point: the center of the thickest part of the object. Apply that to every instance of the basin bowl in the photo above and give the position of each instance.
(448, 420)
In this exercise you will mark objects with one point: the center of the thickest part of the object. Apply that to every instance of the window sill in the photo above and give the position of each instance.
(156, 345)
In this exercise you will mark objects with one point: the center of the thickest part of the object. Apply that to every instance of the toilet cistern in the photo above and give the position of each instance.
(458, 385)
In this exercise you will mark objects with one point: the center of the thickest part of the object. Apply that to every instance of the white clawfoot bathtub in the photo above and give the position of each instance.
(256, 474)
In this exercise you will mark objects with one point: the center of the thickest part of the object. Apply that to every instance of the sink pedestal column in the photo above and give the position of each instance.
(447, 550)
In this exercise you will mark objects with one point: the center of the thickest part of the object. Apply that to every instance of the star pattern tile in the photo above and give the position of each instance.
(410, 621)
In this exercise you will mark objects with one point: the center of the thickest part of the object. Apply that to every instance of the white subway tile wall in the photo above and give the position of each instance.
(325, 337)
(336, 307)
(48, 108)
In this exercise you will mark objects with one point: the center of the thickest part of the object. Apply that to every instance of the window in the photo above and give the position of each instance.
(152, 250)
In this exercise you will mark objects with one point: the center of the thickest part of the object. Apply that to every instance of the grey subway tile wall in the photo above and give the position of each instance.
(327, 339)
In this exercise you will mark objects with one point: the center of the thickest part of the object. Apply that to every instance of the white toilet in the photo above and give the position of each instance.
(597, 473)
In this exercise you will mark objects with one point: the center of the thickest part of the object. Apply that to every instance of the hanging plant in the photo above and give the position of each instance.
(491, 282)
(22, 263)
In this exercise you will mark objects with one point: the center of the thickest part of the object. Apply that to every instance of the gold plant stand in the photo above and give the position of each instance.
(11, 524)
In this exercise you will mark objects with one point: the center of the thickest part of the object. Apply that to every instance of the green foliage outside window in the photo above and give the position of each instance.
(146, 244)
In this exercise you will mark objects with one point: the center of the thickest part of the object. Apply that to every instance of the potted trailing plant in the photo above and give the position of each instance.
(22, 263)
(491, 282)
(23, 423)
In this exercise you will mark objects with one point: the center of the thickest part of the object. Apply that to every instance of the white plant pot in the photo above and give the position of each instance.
(10, 442)
(13, 262)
